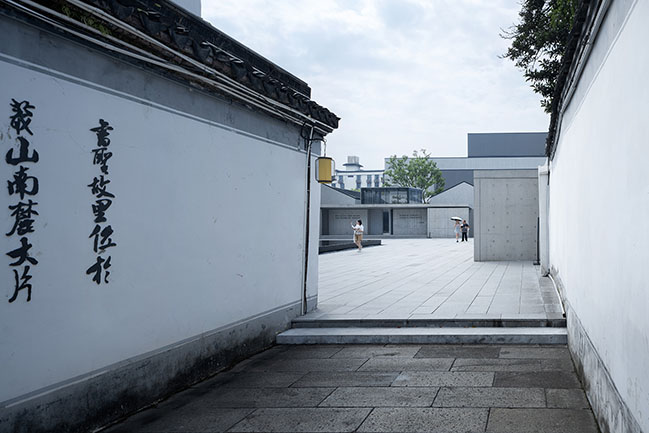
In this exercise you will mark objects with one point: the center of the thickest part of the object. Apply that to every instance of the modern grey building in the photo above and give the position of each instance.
(493, 151)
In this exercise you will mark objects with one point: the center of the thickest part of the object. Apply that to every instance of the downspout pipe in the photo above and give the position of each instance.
(307, 220)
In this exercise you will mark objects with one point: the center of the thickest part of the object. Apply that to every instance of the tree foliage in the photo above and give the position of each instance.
(418, 171)
(538, 42)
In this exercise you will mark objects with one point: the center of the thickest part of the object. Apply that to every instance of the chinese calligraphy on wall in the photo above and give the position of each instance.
(22, 188)
(102, 233)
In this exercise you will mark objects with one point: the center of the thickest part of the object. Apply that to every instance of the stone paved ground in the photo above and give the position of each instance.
(430, 279)
(409, 388)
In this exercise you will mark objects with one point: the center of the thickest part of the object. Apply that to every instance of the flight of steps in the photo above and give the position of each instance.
(308, 330)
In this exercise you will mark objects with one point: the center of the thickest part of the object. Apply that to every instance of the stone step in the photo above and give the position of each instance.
(382, 335)
(308, 322)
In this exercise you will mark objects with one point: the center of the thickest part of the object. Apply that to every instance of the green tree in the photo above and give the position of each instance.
(538, 43)
(419, 171)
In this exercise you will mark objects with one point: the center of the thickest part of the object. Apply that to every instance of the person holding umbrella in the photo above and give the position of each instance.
(457, 227)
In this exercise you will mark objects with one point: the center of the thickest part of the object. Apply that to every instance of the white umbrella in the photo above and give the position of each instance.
(456, 218)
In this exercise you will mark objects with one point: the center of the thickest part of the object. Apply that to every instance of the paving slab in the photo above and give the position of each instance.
(566, 398)
(377, 351)
(537, 379)
(534, 353)
(251, 379)
(541, 421)
(414, 420)
(267, 397)
(335, 379)
(381, 397)
(426, 378)
(409, 364)
(304, 420)
(490, 397)
(449, 351)
(505, 364)
(294, 365)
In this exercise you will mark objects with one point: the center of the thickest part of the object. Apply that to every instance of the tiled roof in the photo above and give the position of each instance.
(169, 32)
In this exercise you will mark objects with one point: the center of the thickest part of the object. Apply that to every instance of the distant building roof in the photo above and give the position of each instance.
(506, 144)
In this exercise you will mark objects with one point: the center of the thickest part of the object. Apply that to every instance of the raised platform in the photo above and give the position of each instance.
(331, 245)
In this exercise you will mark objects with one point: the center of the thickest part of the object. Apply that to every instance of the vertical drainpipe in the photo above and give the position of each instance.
(307, 221)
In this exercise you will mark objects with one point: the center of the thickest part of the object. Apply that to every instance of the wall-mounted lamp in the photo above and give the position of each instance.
(325, 169)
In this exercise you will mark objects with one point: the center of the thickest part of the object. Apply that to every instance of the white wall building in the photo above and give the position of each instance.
(596, 206)
(146, 266)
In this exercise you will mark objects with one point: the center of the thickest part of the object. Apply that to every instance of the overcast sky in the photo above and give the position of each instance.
(402, 74)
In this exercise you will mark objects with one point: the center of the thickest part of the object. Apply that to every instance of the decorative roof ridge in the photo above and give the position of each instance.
(170, 29)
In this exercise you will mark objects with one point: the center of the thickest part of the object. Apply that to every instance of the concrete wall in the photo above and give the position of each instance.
(197, 279)
(410, 222)
(506, 214)
(340, 221)
(440, 224)
(598, 206)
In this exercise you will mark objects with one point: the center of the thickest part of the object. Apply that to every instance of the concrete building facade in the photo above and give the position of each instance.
(506, 215)
(597, 201)
(134, 263)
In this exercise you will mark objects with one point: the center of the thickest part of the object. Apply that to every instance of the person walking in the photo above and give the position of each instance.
(456, 229)
(465, 231)
(358, 234)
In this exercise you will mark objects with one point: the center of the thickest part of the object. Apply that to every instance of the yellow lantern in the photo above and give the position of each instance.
(325, 169)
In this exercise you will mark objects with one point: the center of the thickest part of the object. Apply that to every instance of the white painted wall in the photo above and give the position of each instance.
(201, 239)
(599, 205)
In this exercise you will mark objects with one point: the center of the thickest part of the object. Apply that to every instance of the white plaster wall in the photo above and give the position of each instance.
(599, 207)
(202, 241)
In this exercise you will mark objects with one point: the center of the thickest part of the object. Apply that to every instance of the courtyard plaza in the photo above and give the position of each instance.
(398, 387)
(430, 279)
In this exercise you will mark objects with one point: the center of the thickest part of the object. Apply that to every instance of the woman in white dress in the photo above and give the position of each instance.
(358, 234)
(457, 229)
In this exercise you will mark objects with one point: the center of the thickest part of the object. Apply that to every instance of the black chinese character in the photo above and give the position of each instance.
(102, 155)
(19, 185)
(23, 154)
(22, 284)
(98, 187)
(102, 238)
(99, 209)
(22, 254)
(102, 132)
(22, 116)
(24, 222)
(97, 267)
